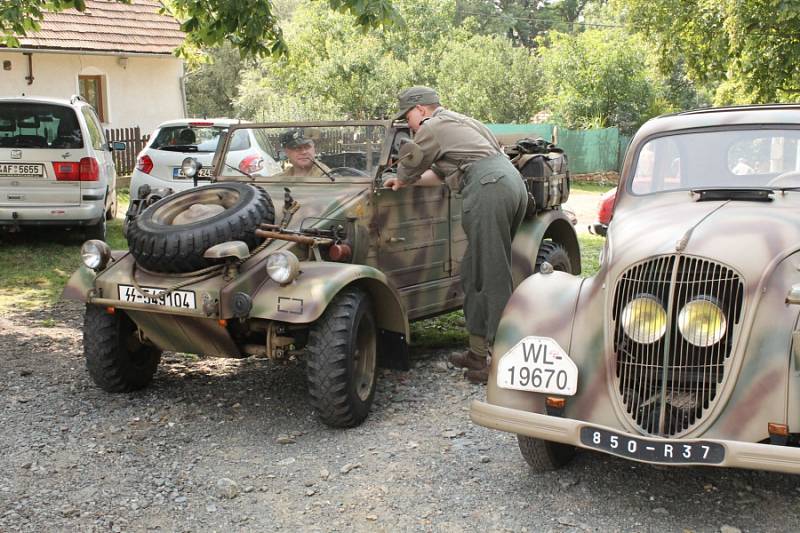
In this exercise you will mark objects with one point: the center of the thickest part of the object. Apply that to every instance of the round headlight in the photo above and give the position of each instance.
(702, 322)
(644, 319)
(283, 267)
(190, 167)
(95, 254)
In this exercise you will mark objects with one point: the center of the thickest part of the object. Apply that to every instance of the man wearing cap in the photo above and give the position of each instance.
(301, 154)
(463, 153)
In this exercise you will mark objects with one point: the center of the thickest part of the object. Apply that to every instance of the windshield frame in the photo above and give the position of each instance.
(632, 160)
(222, 148)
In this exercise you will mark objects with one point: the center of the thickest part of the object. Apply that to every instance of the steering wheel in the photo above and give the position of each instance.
(347, 171)
(792, 178)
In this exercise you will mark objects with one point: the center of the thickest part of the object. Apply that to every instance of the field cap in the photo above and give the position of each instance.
(294, 139)
(414, 96)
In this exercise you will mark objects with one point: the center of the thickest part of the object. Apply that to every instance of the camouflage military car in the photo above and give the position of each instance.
(329, 268)
(684, 349)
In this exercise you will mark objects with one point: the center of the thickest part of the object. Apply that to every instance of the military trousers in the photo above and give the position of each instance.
(494, 201)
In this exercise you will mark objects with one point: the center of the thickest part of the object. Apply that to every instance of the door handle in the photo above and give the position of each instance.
(397, 239)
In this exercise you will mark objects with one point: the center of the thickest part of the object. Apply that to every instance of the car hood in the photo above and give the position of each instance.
(746, 235)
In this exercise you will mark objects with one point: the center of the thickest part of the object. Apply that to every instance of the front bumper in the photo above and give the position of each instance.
(567, 431)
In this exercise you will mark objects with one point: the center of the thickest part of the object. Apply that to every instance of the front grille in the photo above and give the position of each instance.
(667, 386)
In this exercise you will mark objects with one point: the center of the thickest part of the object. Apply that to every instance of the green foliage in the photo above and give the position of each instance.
(488, 78)
(335, 71)
(213, 85)
(599, 78)
(250, 25)
(744, 51)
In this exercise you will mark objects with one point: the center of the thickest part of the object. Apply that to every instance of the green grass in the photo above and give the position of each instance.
(591, 186)
(36, 263)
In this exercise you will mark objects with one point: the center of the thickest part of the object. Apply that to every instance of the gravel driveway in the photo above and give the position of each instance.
(231, 445)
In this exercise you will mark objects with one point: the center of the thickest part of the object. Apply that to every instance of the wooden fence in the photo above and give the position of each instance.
(125, 160)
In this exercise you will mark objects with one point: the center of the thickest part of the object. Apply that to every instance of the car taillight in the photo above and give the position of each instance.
(145, 164)
(606, 210)
(86, 169)
(90, 170)
(201, 124)
(251, 164)
(67, 170)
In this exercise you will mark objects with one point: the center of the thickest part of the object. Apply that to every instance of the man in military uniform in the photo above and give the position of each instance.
(463, 153)
(302, 155)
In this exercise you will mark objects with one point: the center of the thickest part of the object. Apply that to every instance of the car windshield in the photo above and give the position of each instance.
(29, 125)
(193, 137)
(729, 159)
(308, 151)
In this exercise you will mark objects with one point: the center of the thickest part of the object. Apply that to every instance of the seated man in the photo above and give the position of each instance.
(302, 156)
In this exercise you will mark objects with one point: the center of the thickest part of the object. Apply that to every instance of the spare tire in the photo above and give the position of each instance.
(173, 234)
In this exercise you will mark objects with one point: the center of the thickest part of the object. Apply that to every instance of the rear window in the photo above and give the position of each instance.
(28, 125)
(193, 139)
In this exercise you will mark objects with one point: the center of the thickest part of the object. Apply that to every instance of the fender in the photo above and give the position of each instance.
(305, 299)
(79, 284)
(543, 304)
(552, 224)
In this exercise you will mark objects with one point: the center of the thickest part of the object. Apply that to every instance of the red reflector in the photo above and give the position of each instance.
(200, 124)
(90, 170)
(67, 170)
(145, 164)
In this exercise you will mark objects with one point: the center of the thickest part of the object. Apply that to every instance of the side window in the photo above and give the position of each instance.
(95, 131)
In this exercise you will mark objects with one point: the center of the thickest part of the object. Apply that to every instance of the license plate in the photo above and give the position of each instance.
(21, 170)
(653, 450)
(205, 173)
(154, 296)
(538, 364)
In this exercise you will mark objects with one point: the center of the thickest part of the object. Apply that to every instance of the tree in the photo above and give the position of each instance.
(250, 25)
(744, 50)
(213, 85)
(599, 78)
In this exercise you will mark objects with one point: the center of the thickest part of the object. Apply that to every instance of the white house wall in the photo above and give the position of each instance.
(138, 91)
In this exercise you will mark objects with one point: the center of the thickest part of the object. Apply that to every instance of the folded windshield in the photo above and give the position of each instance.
(308, 151)
(731, 159)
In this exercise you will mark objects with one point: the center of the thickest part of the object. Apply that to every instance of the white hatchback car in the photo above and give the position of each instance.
(159, 163)
(56, 167)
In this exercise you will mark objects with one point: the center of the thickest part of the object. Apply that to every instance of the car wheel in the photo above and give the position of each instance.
(96, 231)
(342, 360)
(116, 359)
(111, 214)
(543, 455)
(173, 234)
(555, 254)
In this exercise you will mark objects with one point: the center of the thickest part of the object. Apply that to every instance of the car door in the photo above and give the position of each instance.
(104, 156)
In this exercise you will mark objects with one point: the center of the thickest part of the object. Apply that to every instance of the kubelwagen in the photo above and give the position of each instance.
(330, 268)
(684, 348)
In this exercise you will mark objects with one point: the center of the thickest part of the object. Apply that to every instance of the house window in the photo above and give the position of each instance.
(91, 88)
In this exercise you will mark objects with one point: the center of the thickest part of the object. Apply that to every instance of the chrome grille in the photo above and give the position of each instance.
(666, 386)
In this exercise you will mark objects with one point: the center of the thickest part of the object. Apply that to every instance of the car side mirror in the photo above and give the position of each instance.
(116, 146)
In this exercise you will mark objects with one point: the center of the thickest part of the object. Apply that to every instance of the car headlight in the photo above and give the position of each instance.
(283, 267)
(702, 322)
(190, 167)
(644, 319)
(95, 254)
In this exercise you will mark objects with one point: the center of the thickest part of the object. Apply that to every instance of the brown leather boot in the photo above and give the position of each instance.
(478, 376)
(468, 359)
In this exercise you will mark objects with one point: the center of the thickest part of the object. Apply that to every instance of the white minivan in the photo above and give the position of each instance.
(56, 167)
